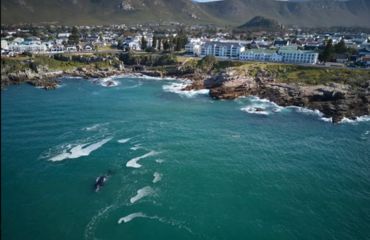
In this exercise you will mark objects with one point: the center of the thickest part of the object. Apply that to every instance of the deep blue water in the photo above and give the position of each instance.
(220, 172)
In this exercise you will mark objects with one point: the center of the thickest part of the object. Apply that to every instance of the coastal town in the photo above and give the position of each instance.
(294, 46)
(323, 70)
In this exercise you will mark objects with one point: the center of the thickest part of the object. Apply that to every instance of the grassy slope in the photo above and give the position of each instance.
(309, 75)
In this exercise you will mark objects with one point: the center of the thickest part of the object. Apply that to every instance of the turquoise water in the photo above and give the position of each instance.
(220, 172)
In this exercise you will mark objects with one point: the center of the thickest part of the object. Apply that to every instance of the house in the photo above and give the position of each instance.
(71, 49)
(281, 43)
(341, 58)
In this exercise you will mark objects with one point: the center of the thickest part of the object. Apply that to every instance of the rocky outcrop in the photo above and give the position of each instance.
(334, 100)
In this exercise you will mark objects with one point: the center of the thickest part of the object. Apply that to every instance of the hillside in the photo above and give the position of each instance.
(230, 12)
(259, 23)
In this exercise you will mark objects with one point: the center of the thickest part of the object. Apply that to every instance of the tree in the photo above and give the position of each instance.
(207, 63)
(340, 47)
(74, 38)
(159, 44)
(144, 43)
(166, 45)
(328, 52)
(154, 42)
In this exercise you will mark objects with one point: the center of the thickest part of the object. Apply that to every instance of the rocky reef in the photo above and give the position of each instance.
(334, 100)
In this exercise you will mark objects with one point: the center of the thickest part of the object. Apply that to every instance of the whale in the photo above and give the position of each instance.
(99, 182)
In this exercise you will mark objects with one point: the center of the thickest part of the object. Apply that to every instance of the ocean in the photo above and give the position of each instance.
(179, 165)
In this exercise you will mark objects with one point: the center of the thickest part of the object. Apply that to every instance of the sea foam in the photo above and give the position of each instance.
(143, 192)
(157, 177)
(177, 88)
(131, 216)
(125, 140)
(364, 118)
(80, 150)
(134, 162)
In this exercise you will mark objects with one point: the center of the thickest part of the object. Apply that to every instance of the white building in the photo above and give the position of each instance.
(293, 55)
(33, 45)
(222, 49)
(63, 35)
(260, 55)
(4, 45)
(194, 46)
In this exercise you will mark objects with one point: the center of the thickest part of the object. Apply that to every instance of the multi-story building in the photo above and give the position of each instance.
(293, 55)
(220, 49)
(260, 55)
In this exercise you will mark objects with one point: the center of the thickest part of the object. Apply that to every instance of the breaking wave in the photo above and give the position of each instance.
(364, 118)
(143, 192)
(178, 88)
(134, 162)
(260, 106)
(256, 105)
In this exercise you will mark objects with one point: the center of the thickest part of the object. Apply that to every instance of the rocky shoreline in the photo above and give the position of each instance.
(334, 100)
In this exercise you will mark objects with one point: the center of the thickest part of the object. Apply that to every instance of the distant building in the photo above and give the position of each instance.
(260, 55)
(281, 43)
(222, 49)
(193, 46)
(293, 55)
(63, 35)
(4, 45)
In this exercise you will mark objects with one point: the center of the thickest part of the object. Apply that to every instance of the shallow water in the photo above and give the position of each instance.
(221, 172)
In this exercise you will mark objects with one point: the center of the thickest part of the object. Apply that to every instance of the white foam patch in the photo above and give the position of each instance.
(94, 127)
(261, 106)
(364, 118)
(326, 119)
(80, 150)
(72, 77)
(125, 140)
(171, 222)
(157, 177)
(159, 160)
(141, 193)
(136, 147)
(134, 162)
(109, 82)
(146, 77)
(131, 216)
(178, 88)
(255, 110)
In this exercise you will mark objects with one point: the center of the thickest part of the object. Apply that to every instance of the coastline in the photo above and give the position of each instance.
(337, 102)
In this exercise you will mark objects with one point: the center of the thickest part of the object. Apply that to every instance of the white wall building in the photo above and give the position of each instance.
(292, 55)
(222, 49)
(260, 55)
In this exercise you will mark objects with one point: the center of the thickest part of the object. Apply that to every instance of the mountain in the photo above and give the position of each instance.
(260, 23)
(310, 13)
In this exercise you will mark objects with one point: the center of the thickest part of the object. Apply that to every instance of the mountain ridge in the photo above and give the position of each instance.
(313, 13)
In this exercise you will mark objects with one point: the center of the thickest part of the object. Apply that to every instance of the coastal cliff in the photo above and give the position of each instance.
(336, 99)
